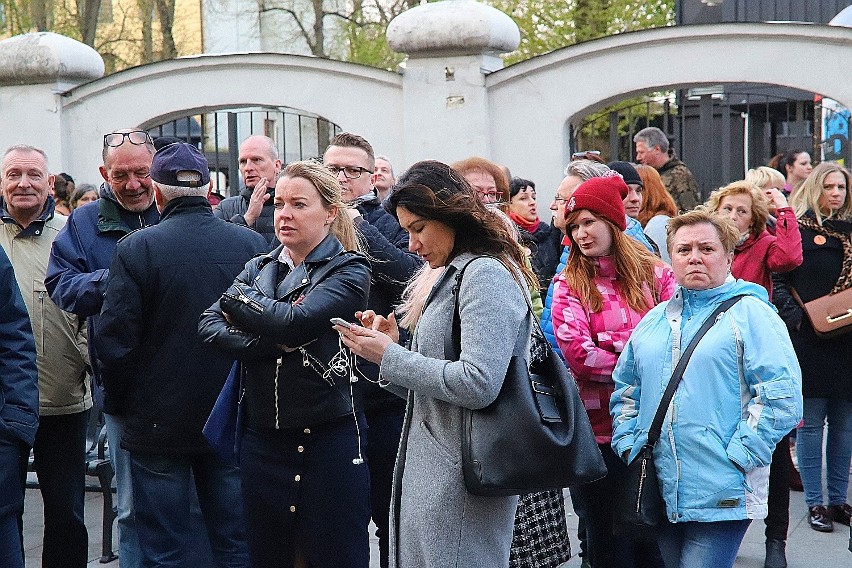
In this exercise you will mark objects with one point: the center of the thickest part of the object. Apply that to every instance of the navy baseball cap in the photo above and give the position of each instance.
(180, 164)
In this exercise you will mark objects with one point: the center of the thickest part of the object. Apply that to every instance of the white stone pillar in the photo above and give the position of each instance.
(451, 47)
(35, 70)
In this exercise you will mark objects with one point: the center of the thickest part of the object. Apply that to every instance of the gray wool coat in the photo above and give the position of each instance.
(435, 522)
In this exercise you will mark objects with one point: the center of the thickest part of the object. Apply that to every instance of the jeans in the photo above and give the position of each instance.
(597, 501)
(129, 555)
(162, 495)
(384, 434)
(701, 545)
(838, 449)
(59, 459)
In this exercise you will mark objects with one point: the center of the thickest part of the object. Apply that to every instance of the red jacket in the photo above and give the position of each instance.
(758, 257)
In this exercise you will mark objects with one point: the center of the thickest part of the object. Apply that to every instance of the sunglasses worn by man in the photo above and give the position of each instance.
(136, 137)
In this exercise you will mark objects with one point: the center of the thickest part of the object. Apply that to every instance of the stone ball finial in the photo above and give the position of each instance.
(463, 27)
(843, 18)
(47, 57)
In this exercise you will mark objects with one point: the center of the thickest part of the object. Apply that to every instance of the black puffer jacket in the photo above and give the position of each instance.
(545, 245)
(233, 208)
(392, 267)
(270, 305)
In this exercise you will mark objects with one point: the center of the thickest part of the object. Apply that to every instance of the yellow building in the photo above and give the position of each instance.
(128, 33)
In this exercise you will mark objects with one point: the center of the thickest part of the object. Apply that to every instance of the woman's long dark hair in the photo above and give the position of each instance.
(433, 190)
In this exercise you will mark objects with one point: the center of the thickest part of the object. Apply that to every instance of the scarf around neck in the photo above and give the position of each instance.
(530, 227)
(845, 279)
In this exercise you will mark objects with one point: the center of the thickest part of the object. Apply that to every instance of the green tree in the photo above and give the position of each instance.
(547, 25)
(365, 32)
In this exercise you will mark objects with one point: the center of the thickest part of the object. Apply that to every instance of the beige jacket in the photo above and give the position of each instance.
(60, 337)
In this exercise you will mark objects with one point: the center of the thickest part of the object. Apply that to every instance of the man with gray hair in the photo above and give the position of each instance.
(29, 227)
(252, 208)
(383, 178)
(77, 275)
(164, 377)
(652, 149)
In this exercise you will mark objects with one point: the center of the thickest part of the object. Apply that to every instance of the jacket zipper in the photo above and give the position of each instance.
(243, 299)
(641, 484)
(41, 311)
(277, 369)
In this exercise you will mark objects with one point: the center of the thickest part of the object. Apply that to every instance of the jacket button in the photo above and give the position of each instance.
(298, 478)
(300, 449)
(292, 508)
(307, 430)
(304, 280)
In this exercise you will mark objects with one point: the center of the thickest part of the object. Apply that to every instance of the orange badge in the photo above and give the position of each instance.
(819, 240)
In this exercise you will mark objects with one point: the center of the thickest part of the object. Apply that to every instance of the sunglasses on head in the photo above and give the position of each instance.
(137, 137)
(579, 155)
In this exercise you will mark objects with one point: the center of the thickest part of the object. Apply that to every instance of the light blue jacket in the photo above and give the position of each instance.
(741, 392)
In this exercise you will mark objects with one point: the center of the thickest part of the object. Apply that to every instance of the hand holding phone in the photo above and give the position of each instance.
(341, 322)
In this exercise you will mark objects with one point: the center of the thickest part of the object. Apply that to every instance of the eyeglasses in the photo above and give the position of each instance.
(351, 172)
(561, 199)
(580, 155)
(488, 195)
(136, 137)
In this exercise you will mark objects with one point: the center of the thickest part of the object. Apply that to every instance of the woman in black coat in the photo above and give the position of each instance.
(304, 481)
(542, 239)
(824, 210)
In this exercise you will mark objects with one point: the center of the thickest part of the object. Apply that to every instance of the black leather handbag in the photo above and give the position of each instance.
(641, 509)
(536, 435)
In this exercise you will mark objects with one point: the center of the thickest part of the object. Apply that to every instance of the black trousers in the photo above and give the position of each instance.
(597, 501)
(59, 455)
(385, 429)
(778, 518)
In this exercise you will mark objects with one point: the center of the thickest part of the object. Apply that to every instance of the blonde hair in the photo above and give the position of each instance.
(806, 197)
(634, 265)
(415, 294)
(329, 190)
(763, 175)
(725, 228)
(759, 202)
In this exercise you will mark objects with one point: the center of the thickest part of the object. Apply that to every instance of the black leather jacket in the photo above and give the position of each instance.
(269, 306)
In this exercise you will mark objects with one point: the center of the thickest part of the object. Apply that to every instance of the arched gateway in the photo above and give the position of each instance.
(453, 99)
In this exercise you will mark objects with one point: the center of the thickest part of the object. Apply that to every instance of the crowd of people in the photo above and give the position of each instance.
(325, 291)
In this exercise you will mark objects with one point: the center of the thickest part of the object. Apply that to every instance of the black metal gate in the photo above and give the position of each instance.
(298, 135)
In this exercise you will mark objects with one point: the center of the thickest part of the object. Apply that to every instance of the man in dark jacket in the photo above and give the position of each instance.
(351, 157)
(164, 379)
(252, 208)
(652, 149)
(76, 280)
(18, 412)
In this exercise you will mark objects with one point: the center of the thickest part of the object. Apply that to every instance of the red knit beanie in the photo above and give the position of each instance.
(602, 196)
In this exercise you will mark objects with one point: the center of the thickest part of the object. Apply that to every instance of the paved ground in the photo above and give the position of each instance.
(806, 548)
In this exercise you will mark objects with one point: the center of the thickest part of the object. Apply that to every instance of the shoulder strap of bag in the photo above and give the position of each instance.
(677, 375)
(452, 342)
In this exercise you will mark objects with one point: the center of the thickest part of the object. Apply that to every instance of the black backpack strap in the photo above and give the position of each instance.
(677, 375)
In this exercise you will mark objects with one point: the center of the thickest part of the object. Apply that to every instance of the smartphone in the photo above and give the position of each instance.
(341, 322)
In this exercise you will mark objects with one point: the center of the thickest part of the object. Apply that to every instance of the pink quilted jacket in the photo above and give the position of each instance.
(592, 341)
